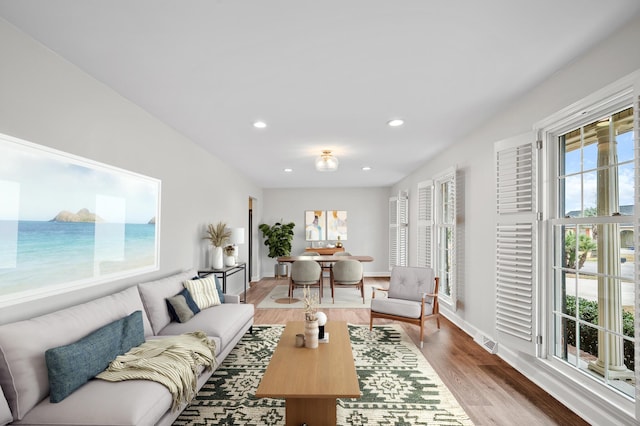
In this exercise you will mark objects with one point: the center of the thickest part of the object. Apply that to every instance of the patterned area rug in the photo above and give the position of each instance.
(398, 385)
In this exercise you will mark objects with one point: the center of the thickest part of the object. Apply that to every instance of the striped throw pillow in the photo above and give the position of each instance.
(203, 292)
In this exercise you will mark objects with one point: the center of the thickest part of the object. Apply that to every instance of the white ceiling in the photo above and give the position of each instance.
(323, 74)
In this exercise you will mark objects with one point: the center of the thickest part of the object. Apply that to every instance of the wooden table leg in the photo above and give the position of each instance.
(311, 411)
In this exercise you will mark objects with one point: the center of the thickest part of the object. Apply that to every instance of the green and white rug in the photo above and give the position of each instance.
(398, 385)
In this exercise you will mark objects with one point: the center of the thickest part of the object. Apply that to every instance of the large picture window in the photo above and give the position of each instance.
(67, 222)
(594, 254)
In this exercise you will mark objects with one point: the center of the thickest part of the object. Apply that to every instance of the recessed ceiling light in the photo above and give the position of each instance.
(366, 168)
(288, 170)
(259, 124)
(395, 122)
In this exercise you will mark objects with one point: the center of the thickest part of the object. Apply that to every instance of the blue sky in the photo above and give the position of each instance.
(39, 183)
(589, 153)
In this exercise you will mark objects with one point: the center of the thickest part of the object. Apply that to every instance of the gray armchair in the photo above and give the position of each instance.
(412, 297)
(347, 273)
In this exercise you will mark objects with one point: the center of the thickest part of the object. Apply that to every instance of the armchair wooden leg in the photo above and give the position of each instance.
(421, 334)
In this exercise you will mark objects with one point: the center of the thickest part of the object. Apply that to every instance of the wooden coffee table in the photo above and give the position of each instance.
(310, 380)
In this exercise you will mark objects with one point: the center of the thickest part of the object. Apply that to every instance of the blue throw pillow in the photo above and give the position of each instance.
(71, 366)
(132, 332)
(219, 288)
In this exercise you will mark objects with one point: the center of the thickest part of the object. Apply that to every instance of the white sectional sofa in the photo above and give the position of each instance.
(24, 384)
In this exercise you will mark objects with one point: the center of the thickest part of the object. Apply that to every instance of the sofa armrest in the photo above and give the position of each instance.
(231, 298)
(5, 413)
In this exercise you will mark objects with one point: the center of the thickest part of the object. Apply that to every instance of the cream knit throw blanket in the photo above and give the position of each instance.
(172, 361)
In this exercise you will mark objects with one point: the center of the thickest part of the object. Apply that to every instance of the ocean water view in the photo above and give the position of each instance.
(43, 253)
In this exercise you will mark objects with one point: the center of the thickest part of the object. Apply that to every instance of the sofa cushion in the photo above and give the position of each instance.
(154, 293)
(221, 295)
(204, 292)
(222, 321)
(71, 366)
(23, 370)
(98, 402)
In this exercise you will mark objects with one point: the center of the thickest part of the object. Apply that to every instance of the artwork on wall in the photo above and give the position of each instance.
(337, 225)
(67, 222)
(315, 225)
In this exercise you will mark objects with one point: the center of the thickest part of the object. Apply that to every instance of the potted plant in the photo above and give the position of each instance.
(218, 235)
(229, 255)
(278, 238)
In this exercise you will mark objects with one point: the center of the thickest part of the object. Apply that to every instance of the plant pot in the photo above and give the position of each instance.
(216, 258)
(311, 334)
(229, 260)
(281, 270)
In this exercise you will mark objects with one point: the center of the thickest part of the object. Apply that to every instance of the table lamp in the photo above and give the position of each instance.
(237, 237)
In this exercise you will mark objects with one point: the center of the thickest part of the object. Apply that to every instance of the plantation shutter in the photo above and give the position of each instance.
(403, 227)
(516, 233)
(393, 232)
(398, 229)
(424, 224)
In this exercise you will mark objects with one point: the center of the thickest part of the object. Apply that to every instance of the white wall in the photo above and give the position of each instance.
(368, 218)
(611, 60)
(46, 100)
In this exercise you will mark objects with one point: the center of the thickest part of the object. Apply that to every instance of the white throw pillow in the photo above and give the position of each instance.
(203, 291)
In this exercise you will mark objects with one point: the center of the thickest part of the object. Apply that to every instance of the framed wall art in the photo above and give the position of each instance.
(314, 225)
(67, 222)
(337, 225)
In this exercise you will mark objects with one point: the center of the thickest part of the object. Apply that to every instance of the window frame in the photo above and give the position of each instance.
(429, 222)
(606, 101)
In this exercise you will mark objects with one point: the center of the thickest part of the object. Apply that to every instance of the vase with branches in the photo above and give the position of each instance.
(311, 329)
(218, 235)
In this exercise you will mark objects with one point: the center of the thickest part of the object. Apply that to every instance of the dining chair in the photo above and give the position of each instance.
(412, 297)
(305, 273)
(326, 266)
(347, 273)
(342, 253)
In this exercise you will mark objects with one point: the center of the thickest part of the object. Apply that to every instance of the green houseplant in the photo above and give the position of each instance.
(278, 238)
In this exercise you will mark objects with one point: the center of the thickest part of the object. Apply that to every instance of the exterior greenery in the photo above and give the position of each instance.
(589, 335)
(278, 238)
(585, 246)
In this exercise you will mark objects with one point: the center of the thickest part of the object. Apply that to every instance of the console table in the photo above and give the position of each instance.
(226, 272)
(325, 250)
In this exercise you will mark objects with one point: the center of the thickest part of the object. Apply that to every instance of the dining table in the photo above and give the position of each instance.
(326, 258)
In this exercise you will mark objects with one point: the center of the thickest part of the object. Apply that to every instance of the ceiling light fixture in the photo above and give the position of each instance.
(259, 124)
(396, 122)
(288, 170)
(366, 168)
(326, 162)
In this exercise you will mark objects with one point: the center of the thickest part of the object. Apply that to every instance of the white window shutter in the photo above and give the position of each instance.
(403, 228)
(398, 229)
(516, 161)
(393, 232)
(425, 224)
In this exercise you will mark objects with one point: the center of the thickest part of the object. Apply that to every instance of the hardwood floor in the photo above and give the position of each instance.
(489, 390)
